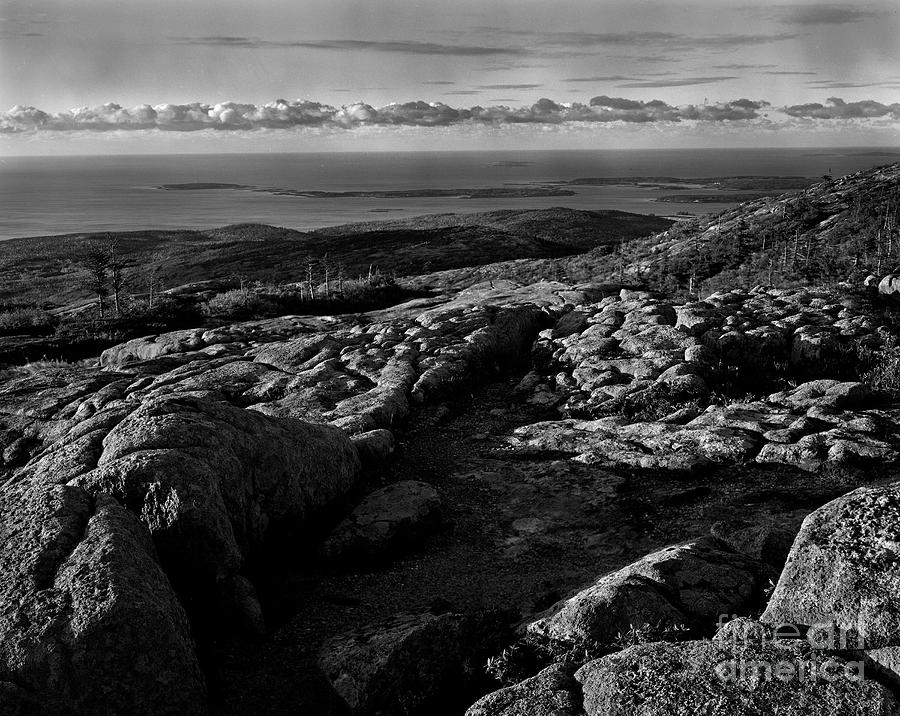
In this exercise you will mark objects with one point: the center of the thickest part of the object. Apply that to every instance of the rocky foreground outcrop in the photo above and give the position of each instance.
(826, 643)
(137, 497)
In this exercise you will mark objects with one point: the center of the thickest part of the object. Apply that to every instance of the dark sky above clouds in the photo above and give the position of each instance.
(150, 67)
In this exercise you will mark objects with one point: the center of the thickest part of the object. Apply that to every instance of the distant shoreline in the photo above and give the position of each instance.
(514, 192)
(728, 189)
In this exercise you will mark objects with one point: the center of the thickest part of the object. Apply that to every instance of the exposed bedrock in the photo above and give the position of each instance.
(121, 510)
(843, 575)
(89, 621)
(136, 499)
(359, 374)
(124, 489)
(642, 381)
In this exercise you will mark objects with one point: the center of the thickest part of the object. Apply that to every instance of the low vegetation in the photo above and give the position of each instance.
(30, 320)
(883, 373)
(116, 314)
(528, 655)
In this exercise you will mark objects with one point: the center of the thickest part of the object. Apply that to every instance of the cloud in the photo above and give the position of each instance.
(683, 82)
(788, 72)
(616, 103)
(726, 42)
(654, 39)
(629, 110)
(825, 15)
(729, 111)
(169, 117)
(888, 83)
(740, 67)
(284, 114)
(514, 43)
(601, 78)
(584, 39)
(508, 87)
(399, 46)
(439, 82)
(839, 109)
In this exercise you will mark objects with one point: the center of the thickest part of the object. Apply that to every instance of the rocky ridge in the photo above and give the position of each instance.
(150, 486)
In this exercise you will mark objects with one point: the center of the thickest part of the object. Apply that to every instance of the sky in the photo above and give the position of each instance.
(126, 76)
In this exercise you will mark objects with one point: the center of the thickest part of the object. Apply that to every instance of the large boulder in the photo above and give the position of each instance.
(212, 481)
(843, 570)
(89, 623)
(697, 318)
(889, 285)
(689, 584)
(150, 347)
(738, 678)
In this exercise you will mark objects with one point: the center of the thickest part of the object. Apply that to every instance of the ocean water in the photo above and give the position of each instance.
(41, 196)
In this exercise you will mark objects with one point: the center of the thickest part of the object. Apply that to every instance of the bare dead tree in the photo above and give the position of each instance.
(326, 268)
(310, 264)
(117, 277)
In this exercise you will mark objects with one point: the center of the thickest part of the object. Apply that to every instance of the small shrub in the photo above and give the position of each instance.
(884, 372)
(47, 367)
(646, 633)
(657, 402)
(25, 320)
(237, 305)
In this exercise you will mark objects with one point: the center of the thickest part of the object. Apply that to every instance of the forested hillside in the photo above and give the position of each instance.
(838, 230)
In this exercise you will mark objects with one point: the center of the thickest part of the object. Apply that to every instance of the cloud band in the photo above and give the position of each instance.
(303, 113)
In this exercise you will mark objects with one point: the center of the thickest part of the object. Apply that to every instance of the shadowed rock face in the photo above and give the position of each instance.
(89, 622)
(686, 679)
(389, 519)
(843, 570)
(415, 663)
(210, 480)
